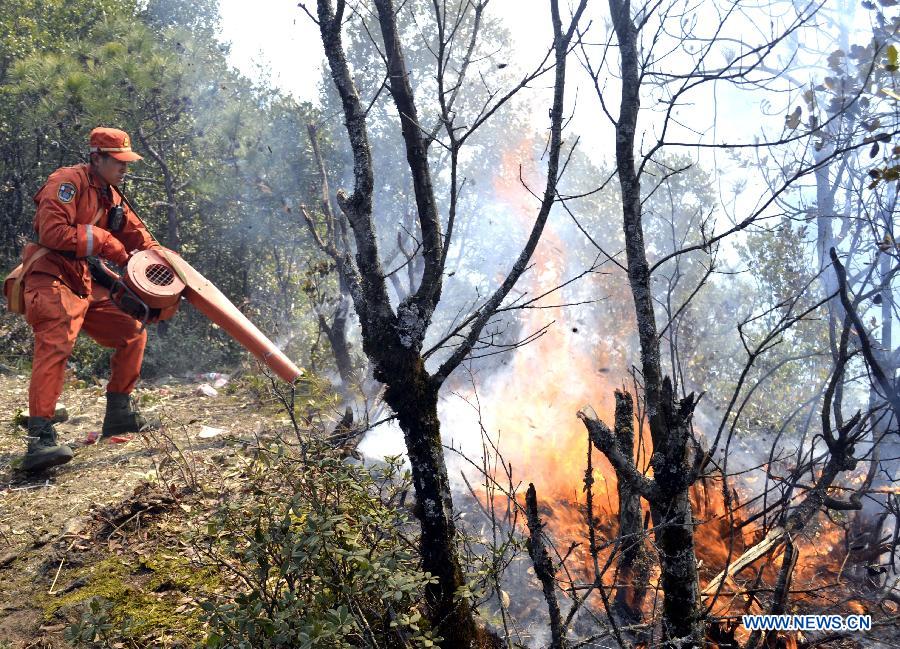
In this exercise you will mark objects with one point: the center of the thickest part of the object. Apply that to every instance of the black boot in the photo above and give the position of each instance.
(123, 417)
(43, 450)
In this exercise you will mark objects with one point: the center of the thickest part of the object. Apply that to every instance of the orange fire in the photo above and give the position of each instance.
(533, 410)
(550, 378)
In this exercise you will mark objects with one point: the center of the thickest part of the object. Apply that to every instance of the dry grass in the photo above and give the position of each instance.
(112, 522)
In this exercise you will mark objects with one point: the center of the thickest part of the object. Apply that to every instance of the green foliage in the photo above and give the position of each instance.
(89, 360)
(95, 625)
(189, 343)
(321, 550)
(222, 173)
(116, 608)
(854, 100)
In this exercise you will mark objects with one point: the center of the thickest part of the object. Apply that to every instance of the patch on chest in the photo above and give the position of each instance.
(66, 192)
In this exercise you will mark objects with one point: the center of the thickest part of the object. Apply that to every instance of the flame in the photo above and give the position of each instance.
(535, 401)
(536, 415)
(533, 406)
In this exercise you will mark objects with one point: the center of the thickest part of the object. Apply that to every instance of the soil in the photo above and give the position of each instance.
(109, 528)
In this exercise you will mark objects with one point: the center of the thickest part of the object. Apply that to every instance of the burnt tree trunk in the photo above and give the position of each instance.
(633, 562)
(336, 332)
(393, 340)
(780, 600)
(336, 245)
(670, 509)
(413, 396)
(543, 568)
(669, 420)
(673, 521)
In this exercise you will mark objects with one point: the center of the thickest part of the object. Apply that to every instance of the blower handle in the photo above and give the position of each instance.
(119, 292)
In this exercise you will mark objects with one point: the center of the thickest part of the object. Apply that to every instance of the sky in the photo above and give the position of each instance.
(276, 39)
(277, 35)
(281, 37)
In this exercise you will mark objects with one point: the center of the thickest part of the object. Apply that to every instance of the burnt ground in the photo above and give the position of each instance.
(114, 523)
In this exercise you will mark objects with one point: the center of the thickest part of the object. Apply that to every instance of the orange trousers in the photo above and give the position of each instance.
(56, 315)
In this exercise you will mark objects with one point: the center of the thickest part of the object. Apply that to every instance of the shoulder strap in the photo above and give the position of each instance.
(97, 216)
(82, 194)
(85, 177)
(37, 255)
(133, 211)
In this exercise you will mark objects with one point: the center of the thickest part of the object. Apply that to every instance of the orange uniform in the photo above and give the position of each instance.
(60, 298)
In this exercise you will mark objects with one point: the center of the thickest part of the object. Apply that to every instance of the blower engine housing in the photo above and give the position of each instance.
(151, 277)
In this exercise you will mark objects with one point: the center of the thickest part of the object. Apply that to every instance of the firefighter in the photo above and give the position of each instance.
(81, 214)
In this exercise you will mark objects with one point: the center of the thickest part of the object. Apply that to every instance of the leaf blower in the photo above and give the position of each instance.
(153, 283)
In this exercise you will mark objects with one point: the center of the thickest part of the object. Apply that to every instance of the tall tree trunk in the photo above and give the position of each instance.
(393, 339)
(173, 240)
(673, 521)
(415, 402)
(395, 351)
(868, 523)
(669, 421)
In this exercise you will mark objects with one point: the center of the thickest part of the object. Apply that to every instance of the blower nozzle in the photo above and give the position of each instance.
(160, 278)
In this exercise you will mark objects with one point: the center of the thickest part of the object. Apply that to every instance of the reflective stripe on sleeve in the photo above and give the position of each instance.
(89, 235)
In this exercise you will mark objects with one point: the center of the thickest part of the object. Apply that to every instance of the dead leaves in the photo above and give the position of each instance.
(792, 120)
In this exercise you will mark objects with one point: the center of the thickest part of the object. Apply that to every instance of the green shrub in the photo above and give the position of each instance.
(89, 361)
(323, 554)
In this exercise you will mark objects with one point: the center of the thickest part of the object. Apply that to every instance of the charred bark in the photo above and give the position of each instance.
(414, 399)
(393, 340)
(634, 562)
(670, 509)
(336, 332)
(780, 599)
(673, 521)
(334, 243)
(543, 568)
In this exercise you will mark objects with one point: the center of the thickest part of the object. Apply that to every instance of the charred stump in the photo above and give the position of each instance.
(543, 568)
(634, 560)
(670, 506)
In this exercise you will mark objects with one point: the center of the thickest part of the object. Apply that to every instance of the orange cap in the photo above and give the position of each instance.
(114, 142)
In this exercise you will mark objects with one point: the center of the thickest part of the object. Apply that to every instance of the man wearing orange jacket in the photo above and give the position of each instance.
(81, 214)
